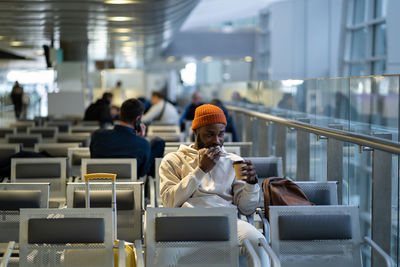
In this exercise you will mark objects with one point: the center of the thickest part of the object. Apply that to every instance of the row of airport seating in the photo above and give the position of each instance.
(46, 240)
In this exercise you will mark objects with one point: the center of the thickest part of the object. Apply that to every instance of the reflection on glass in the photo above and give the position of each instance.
(357, 69)
(358, 44)
(358, 11)
(380, 40)
(379, 67)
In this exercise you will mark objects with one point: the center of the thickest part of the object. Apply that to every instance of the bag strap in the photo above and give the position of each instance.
(162, 111)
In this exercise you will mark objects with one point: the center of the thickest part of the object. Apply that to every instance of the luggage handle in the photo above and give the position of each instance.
(100, 176)
(104, 176)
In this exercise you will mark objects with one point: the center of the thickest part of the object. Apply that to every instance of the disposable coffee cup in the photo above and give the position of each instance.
(237, 165)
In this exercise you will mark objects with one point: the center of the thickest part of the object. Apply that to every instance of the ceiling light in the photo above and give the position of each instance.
(123, 38)
(129, 44)
(120, 19)
(170, 59)
(248, 59)
(39, 52)
(2, 37)
(122, 30)
(120, 2)
(207, 59)
(126, 49)
(16, 43)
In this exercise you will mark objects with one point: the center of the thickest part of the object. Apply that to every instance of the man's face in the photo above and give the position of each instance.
(196, 98)
(210, 135)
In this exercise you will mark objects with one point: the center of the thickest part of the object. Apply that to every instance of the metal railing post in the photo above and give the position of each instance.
(280, 144)
(263, 138)
(303, 154)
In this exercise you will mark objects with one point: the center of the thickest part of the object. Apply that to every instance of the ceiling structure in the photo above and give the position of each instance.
(130, 32)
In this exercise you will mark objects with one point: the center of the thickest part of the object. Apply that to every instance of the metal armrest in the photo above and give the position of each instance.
(250, 219)
(252, 253)
(274, 258)
(139, 253)
(152, 192)
(379, 250)
(265, 225)
(7, 254)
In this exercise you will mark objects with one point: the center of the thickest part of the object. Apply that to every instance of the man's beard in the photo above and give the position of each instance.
(200, 143)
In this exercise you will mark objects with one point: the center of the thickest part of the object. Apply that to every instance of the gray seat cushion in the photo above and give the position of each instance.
(66, 230)
(19, 199)
(314, 227)
(102, 199)
(78, 156)
(192, 228)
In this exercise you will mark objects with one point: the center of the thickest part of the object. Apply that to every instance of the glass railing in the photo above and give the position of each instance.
(358, 105)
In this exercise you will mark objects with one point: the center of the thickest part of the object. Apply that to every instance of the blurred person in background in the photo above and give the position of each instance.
(17, 93)
(100, 111)
(188, 114)
(161, 111)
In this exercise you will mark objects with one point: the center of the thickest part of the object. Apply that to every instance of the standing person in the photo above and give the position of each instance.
(126, 140)
(26, 99)
(199, 176)
(161, 111)
(100, 111)
(16, 98)
(119, 94)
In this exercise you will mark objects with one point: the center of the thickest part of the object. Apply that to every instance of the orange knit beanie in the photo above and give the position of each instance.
(208, 114)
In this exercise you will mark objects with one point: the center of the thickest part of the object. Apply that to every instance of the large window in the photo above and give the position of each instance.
(365, 49)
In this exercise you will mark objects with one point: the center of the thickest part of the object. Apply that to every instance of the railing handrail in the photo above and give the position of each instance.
(351, 137)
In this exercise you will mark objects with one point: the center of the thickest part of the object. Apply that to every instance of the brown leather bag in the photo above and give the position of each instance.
(282, 192)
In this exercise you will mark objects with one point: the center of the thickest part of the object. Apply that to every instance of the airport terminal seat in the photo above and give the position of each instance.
(82, 138)
(4, 131)
(329, 236)
(27, 140)
(21, 126)
(55, 149)
(124, 168)
(130, 201)
(7, 150)
(63, 126)
(46, 132)
(204, 237)
(85, 129)
(75, 156)
(13, 197)
(42, 170)
(66, 237)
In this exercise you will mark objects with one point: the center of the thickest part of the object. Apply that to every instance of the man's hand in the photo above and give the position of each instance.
(209, 159)
(249, 171)
(142, 131)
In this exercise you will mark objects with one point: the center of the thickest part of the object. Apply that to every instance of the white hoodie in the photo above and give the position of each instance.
(184, 184)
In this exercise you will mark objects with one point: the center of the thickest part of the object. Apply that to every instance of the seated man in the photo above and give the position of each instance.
(100, 111)
(202, 175)
(161, 111)
(126, 140)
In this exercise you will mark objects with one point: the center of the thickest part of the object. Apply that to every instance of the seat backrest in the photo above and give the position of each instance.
(316, 235)
(63, 126)
(55, 149)
(15, 196)
(191, 237)
(169, 137)
(320, 193)
(21, 126)
(83, 138)
(4, 131)
(124, 168)
(41, 170)
(46, 132)
(7, 150)
(267, 166)
(163, 129)
(246, 148)
(169, 149)
(75, 156)
(130, 204)
(233, 149)
(157, 184)
(27, 140)
(66, 237)
(84, 129)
